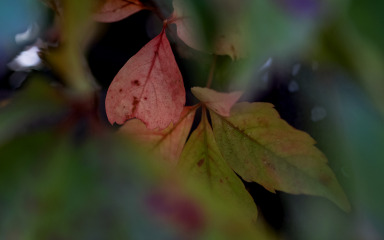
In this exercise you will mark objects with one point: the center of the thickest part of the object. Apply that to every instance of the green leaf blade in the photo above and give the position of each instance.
(202, 161)
(263, 148)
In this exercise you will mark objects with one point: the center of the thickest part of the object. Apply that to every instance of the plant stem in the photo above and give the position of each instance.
(211, 71)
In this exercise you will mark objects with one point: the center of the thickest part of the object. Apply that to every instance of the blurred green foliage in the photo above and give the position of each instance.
(57, 183)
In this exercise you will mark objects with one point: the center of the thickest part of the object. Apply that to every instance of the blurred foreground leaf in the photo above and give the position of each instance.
(68, 59)
(58, 184)
(34, 105)
(363, 129)
(54, 188)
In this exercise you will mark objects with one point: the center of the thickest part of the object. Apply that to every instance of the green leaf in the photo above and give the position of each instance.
(34, 104)
(202, 161)
(68, 59)
(367, 16)
(54, 188)
(263, 148)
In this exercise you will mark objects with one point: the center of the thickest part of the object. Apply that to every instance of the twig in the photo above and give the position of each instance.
(211, 71)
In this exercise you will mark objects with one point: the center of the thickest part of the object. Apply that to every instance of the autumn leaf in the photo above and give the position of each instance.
(187, 25)
(263, 148)
(228, 39)
(231, 41)
(221, 103)
(166, 144)
(116, 10)
(202, 161)
(149, 87)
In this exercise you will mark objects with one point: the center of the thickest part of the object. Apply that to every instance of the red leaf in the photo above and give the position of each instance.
(149, 87)
(166, 144)
(221, 103)
(116, 10)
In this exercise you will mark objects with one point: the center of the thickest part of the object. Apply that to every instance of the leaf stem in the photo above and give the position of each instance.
(153, 6)
(211, 71)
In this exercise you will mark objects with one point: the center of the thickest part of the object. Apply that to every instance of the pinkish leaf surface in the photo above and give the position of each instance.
(166, 144)
(229, 38)
(116, 10)
(221, 103)
(231, 41)
(187, 27)
(149, 87)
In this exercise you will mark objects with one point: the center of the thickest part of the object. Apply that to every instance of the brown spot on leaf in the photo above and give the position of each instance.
(221, 180)
(135, 82)
(263, 122)
(325, 179)
(268, 164)
(120, 90)
(200, 162)
(134, 104)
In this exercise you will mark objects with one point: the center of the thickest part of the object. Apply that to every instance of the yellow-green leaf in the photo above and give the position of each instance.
(202, 161)
(263, 148)
(75, 30)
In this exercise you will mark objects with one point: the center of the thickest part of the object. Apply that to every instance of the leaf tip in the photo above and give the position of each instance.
(219, 102)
